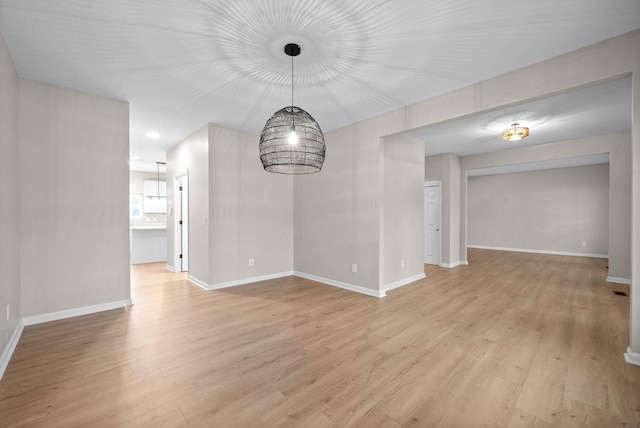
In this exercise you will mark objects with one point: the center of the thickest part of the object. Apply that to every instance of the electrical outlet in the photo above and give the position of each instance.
(8, 311)
(402, 263)
(354, 268)
(252, 262)
(584, 244)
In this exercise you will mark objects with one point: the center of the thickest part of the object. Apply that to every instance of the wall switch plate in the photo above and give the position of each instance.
(584, 244)
(402, 263)
(354, 268)
(8, 311)
(252, 262)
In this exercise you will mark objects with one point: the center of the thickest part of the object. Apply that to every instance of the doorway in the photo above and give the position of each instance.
(432, 222)
(181, 227)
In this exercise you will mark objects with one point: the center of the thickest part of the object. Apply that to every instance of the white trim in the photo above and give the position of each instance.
(405, 281)
(196, 281)
(11, 346)
(235, 283)
(454, 264)
(526, 250)
(169, 268)
(184, 177)
(76, 312)
(632, 357)
(618, 280)
(339, 284)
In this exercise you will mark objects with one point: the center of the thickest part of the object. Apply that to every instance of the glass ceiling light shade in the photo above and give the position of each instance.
(291, 141)
(515, 132)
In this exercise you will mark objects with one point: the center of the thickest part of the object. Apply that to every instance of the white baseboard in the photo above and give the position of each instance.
(454, 264)
(76, 312)
(350, 287)
(238, 282)
(526, 250)
(221, 285)
(339, 284)
(169, 268)
(632, 357)
(402, 282)
(618, 280)
(11, 346)
(196, 281)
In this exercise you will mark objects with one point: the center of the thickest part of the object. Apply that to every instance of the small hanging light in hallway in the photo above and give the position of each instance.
(158, 181)
(292, 141)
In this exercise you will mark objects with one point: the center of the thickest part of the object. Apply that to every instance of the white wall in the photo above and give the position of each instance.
(451, 254)
(74, 187)
(9, 208)
(237, 211)
(338, 219)
(192, 156)
(251, 211)
(323, 214)
(446, 167)
(620, 227)
(433, 167)
(403, 217)
(553, 210)
(618, 147)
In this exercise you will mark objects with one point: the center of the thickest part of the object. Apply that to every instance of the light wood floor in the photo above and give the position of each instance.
(517, 340)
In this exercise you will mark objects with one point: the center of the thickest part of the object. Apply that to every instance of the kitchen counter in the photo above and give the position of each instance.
(148, 243)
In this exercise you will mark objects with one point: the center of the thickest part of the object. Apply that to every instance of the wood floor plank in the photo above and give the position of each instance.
(513, 340)
(376, 418)
(520, 419)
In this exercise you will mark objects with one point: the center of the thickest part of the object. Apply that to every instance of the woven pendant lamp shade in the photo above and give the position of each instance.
(279, 155)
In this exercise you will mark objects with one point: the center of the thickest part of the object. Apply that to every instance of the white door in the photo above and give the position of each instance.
(432, 216)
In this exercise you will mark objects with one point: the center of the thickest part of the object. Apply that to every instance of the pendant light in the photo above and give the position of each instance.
(291, 141)
(158, 181)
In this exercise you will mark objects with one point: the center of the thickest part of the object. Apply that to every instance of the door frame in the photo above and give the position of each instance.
(178, 240)
(434, 183)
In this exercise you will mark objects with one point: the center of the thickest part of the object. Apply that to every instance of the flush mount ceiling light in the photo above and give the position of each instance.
(291, 141)
(515, 132)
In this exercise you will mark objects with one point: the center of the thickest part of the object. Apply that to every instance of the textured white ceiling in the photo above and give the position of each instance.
(183, 63)
(596, 110)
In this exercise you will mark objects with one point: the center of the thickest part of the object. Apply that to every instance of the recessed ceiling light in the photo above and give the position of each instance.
(134, 158)
(153, 135)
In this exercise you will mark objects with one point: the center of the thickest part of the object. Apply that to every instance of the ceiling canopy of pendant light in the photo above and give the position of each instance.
(291, 141)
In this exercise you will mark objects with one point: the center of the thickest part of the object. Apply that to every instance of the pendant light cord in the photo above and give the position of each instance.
(293, 120)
